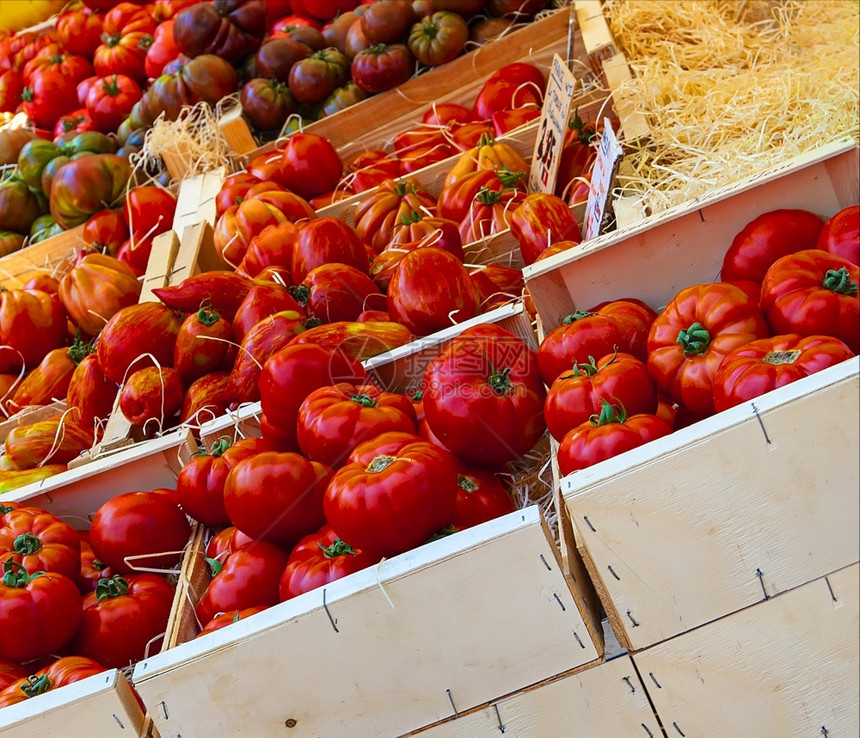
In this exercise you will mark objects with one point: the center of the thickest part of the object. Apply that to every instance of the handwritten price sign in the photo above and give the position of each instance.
(602, 175)
(553, 124)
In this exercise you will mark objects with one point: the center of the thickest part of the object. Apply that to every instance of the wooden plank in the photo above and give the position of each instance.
(31, 414)
(50, 256)
(604, 700)
(685, 245)
(164, 249)
(748, 503)
(476, 615)
(196, 253)
(194, 577)
(102, 705)
(236, 133)
(785, 667)
(195, 200)
(76, 494)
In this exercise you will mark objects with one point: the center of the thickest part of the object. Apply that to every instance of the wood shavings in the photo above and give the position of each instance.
(190, 145)
(730, 88)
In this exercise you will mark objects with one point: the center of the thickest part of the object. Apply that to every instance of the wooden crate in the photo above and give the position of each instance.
(31, 414)
(685, 245)
(102, 705)
(736, 508)
(785, 667)
(606, 700)
(76, 494)
(51, 256)
(443, 628)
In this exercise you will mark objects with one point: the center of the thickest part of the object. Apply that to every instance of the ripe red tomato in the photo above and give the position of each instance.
(813, 292)
(765, 239)
(226, 541)
(318, 559)
(92, 570)
(246, 578)
(323, 241)
(696, 330)
(39, 541)
(124, 619)
(149, 211)
(763, 365)
(79, 31)
(276, 496)
(201, 344)
(228, 618)
(334, 292)
(841, 234)
(10, 672)
(484, 396)
(110, 100)
(606, 435)
(394, 503)
(144, 525)
(576, 394)
(539, 221)
(59, 673)
(39, 613)
(49, 94)
(480, 497)
(123, 54)
(620, 325)
(382, 67)
(309, 165)
(333, 420)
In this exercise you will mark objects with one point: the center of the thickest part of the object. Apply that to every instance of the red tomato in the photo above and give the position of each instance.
(246, 578)
(124, 619)
(200, 484)
(39, 541)
(110, 100)
(394, 503)
(32, 323)
(201, 344)
(318, 559)
(693, 334)
(241, 223)
(48, 95)
(431, 290)
(125, 17)
(309, 165)
(162, 51)
(39, 613)
(513, 86)
(620, 325)
(79, 31)
(541, 220)
(323, 241)
(263, 300)
(841, 235)
(606, 435)
(228, 618)
(139, 529)
(11, 86)
(123, 54)
(763, 365)
(765, 239)
(575, 395)
(382, 67)
(63, 671)
(91, 570)
(490, 212)
(378, 214)
(276, 496)
(10, 672)
(333, 420)
(813, 292)
(72, 67)
(484, 396)
(227, 541)
(334, 292)
(149, 211)
(77, 121)
(480, 497)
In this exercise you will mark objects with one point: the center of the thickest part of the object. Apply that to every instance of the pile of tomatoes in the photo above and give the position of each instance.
(620, 375)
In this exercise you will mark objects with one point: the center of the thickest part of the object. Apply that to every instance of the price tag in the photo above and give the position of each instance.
(602, 176)
(553, 125)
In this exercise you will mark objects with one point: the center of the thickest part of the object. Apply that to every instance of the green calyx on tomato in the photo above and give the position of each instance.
(5, 509)
(379, 463)
(27, 94)
(409, 218)
(782, 357)
(26, 544)
(585, 132)
(401, 189)
(300, 292)
(337, 548)
(487, 196)
(215, 566)
(108, 589)
(578, 315)
(499, 381)
(695, 339)
(36, 685)
(609, 413)
(418, 395)
(16, 576)
(378, 49)
(364, 400)
(79, 349)
(219, 447)
(466, 484)
(508, 177)
(448, 530)
(839, 281)
(207, 315)
(312, 322)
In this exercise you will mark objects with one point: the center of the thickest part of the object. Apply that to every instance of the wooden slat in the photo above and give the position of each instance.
(46, 257)
(31, 414)
(786, 667)
(686, 244)
(604, 700)
(751, 502)
(164, 249)
(193, 579)
(475, 616)
(102, 705)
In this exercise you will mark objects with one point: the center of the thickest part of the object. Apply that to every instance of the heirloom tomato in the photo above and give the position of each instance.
(51, 378)
(377, 215)
(151, 395)
(110, 100)
(228, 618)
(480, 497)
(333, 420)
(86, 185)
(484, 396)
(39, 613)
(456, 199)
(63, 671)
(105, 231)
(91, 569)
(813, 292)
(230, 29)
(381, 67)
(388, 22)
(227, 540)
(319, 559)
(607, 434)
(490, 212)
(125, 17)
(539, 221)
(765, 239)
(395, 502)
(48, 95)
(139, 529)
(39, 541)
(32, 323)
(206, 398)
(79, 31)
(309, 165)
(201, 344)
(162, 51)
(123, 54)
(267, 103)
(337, 292)
(577, 393)
(490, 155)
(841, 235)
(248, 577)
(223, 290)
(317, 76)
(768, 363)
(428, 230)
(52, 441)
(438, 38)
(696, 330)
(276, 57)
(239, 224)
(323, 241)
(91, 394)
(263, 300)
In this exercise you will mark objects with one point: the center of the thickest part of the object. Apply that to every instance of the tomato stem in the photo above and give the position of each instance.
(609, 413)
(300, 293)
(380, 462)
(220, 446)
(79, 349)
(108, 589)
(363, 400)
(499, 381)
(36, 685)
(695, 340)
(338, 548)
(839, 281)
(578, 315)
(15, 575)
(466, 484)
(26, 544)
(207, 315)
(782, 357)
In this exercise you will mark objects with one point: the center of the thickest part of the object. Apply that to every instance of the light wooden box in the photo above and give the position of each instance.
(441, 629)
(786, 667)
(606, 700)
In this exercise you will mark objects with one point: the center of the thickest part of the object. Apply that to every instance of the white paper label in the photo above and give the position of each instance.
(602, 174)
(553, 126)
